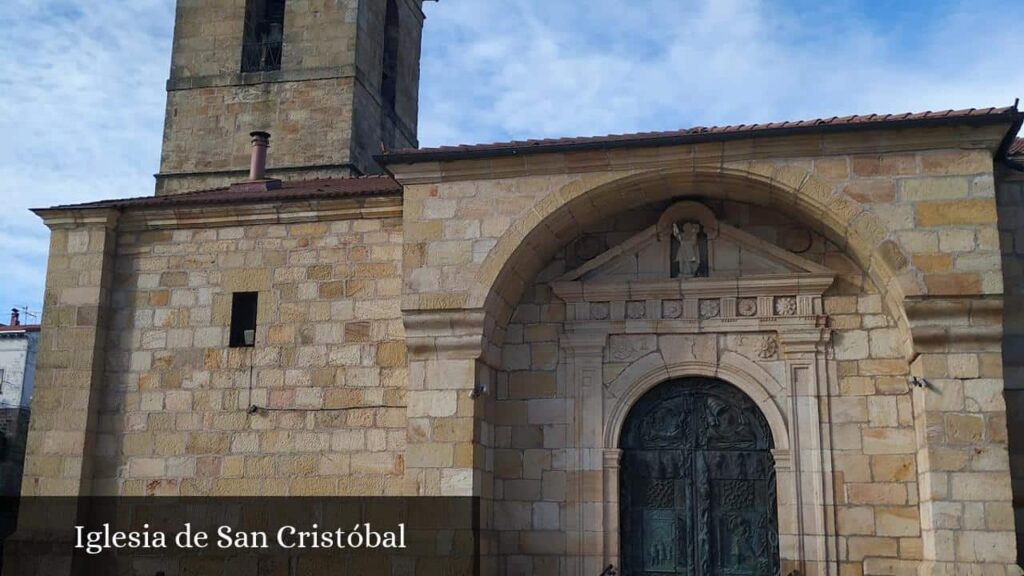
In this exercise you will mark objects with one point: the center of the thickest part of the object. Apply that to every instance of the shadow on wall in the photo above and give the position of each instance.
(1010, 199)
(13, 434)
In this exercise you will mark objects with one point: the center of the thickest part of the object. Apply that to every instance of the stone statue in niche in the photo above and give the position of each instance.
(691, 250)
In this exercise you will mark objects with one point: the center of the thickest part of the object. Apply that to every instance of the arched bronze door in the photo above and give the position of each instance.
(697, 485)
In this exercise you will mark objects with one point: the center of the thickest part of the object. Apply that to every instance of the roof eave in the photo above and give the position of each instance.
(193, 200)
(1011, 116)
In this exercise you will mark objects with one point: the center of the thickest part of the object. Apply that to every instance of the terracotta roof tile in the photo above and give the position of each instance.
(701, 133)
(1016, 147)
(320, 189)
(20, 328)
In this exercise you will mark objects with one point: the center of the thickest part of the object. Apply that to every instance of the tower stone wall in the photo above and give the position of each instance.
(323, 106)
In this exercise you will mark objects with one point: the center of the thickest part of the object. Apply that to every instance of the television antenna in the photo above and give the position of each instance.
(24, 312)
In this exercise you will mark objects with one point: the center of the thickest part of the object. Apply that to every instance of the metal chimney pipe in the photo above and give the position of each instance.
(258, 163)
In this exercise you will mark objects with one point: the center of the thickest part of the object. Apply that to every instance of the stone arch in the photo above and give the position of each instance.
(564, 213)
(688, 210)
(651, 370)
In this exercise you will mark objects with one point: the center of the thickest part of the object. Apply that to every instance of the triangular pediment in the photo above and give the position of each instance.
(690, 250)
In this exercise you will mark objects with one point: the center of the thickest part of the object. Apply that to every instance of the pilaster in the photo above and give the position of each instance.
(960, 420)
(70, 362)
(586, 496)
(446, 403)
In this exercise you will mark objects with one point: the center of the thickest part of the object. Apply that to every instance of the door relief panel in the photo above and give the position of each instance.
(697, 487)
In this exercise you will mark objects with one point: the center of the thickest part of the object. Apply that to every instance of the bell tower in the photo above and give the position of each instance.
(333, 81)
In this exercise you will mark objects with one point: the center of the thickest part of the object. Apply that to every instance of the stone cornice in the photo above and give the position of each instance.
(218, 215)
(254, 78)
(744, 286)
(800, 324)
(66, 219)
(705, 155)
(947, 324)
(797, 342)
(445, 334)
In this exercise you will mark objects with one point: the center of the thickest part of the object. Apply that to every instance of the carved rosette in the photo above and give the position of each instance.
(635, 310)
(769, 347)
(672, 309)
(785, 305)
(599, 310)
(746, 306)
(710, 309)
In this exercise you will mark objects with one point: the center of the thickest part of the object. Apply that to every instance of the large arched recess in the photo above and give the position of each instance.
(566, 212)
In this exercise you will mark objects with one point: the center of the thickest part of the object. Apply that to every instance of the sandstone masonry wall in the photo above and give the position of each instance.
(173, 417)
(914, 212)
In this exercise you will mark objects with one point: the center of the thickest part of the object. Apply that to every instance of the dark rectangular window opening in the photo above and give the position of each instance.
(243, 319)
(264, 35)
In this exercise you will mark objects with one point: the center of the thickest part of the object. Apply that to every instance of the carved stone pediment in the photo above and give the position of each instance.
(689, 267)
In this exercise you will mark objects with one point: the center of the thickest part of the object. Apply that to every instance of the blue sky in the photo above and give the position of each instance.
(82, 88)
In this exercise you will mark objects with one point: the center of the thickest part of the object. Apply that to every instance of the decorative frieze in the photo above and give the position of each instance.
(741, 313)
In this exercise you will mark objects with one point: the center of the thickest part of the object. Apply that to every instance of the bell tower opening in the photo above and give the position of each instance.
(389, 64)
(263, 38)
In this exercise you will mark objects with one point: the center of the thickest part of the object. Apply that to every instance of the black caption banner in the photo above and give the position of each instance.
(274, 536)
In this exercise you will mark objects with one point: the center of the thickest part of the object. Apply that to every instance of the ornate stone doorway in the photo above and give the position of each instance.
(697, 487)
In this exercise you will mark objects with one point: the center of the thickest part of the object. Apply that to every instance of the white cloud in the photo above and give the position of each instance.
(539, 70)
(82, 94)
(81, 113)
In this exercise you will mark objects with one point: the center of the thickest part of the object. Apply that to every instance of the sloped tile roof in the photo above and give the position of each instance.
(703, 134)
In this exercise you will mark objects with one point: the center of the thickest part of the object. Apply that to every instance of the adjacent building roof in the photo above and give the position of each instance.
(1016, 147)
(321, 189)
(707, 134)
(19, 328)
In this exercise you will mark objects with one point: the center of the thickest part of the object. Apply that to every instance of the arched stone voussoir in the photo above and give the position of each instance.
(790, 188)
(651, 370)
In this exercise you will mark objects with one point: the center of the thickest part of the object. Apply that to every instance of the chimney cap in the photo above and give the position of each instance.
(260, 134)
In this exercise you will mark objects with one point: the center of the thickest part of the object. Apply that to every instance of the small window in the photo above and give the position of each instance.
(389, 64)
(264, 35)
(243, 319)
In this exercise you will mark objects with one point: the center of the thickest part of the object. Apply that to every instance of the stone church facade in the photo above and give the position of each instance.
(802, 338)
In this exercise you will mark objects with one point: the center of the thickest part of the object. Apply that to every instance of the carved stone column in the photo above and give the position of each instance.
(814, 498)
(612, 460)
